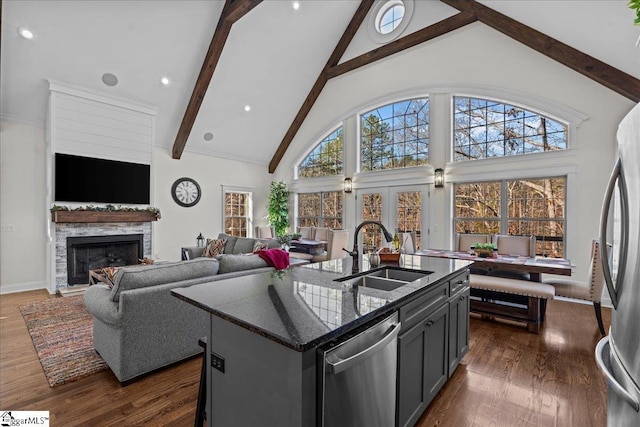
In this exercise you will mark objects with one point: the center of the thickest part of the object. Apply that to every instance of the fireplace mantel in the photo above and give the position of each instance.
(102, 216)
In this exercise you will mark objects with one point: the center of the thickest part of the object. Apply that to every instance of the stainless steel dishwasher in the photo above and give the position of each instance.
(358, 378)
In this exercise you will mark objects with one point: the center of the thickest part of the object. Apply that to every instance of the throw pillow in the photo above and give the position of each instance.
(214, 247)
(259, 246)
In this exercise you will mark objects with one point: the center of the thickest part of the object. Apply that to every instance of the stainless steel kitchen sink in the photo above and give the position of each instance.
(377, 283)
(394, 273)
(386, 278)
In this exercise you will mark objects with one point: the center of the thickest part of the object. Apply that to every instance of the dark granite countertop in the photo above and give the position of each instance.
(307, 306)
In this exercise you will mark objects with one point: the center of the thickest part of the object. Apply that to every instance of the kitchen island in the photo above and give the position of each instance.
(266, 329)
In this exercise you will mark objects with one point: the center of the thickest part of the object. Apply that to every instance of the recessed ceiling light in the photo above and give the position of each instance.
(25, 33)
(247, 108)
(208, 136)
(165, 80)
(109, 79)
(296, 5)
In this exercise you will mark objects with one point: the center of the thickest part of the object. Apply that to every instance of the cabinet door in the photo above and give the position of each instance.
(436, 360)
(411, 396)
(422, 365)
(458, 328)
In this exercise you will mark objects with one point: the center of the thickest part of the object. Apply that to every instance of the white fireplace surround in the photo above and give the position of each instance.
(92, 124)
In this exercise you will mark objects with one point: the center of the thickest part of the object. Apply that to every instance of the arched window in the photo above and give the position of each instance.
(395, 136)
(325, 159)
(484, 128)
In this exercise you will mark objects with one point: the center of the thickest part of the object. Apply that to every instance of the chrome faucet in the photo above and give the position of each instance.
(355, 267)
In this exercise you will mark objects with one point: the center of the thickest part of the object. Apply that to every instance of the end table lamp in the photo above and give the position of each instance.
(200, 240)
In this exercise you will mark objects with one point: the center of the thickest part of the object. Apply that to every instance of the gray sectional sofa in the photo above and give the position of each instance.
(138, 326)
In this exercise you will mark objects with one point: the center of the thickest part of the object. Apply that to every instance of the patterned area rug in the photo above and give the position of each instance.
(62, 333)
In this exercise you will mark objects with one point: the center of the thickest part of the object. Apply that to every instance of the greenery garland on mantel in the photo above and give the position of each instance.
(106, 208)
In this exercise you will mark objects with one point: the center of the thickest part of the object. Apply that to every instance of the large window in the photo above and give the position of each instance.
(320, 209)
(237, 213)
(325, 159)
(484, 128)
(516, 207)
(395, 136)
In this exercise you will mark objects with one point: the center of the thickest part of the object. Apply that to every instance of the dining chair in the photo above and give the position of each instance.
(589, 290)
(464, 241)
(514, 246)
(321, 233)
(265, 232)
(305, 232)
(336, 240)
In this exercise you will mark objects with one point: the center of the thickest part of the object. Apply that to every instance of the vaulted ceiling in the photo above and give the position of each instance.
(271, 58)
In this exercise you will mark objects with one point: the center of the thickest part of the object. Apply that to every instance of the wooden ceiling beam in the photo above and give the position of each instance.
(428, 33)
(233, 10)
(608, 76)
(321, 81)
(238, 8)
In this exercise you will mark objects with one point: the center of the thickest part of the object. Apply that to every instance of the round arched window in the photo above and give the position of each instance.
(390, 16)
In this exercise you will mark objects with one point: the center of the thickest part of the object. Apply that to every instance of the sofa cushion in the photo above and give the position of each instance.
(214, 247)
(142, 276)
(271, 243)
(236, 262)
(229, 247)
(244, 245)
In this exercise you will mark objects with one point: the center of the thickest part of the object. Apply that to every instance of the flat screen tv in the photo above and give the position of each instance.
(86, 179)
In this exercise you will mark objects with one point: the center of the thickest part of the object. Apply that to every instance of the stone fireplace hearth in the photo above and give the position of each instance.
(64, 231)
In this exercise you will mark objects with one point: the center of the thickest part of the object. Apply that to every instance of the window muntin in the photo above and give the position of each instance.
(395, 136)
(409, 214)
(516, 207)
(537, 207)
(390, 16)
(237, 213)
(484, 128)
(325, 159)
(320, 209)
(371, 210)
(477, 207)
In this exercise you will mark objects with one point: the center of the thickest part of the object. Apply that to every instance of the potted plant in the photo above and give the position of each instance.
(278, 207)
(484, 250)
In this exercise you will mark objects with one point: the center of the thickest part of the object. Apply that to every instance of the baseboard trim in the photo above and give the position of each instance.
(22, 287)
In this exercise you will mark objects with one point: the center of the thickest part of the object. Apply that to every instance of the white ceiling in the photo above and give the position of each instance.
(270, 61)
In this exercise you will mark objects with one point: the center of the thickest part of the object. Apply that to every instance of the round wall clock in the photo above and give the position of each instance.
(186, 192)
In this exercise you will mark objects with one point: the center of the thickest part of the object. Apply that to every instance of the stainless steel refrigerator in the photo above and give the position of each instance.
(618, 354)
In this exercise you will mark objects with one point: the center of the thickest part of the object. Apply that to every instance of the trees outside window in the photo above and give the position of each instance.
(325, 159)
(395, 136)
(484, 128)
(516, 207)
(237, 213)
(322, 209)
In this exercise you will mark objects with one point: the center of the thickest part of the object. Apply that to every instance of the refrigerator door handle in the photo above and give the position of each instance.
(603, 362)
(344, 364)
(617, 176)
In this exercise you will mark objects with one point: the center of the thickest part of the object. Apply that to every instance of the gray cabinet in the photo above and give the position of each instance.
(433, 340)
(458, 328)
(422, 364)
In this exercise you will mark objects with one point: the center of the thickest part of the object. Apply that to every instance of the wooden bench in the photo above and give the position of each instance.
(512, 299)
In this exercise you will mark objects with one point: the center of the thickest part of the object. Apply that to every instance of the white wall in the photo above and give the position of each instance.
(180, 226)
(22, 203)
(477, 57)
(22, 207)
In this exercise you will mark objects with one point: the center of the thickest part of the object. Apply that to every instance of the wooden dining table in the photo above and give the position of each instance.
(534, 266)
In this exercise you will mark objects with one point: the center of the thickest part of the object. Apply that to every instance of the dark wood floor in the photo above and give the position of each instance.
(509, 378)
